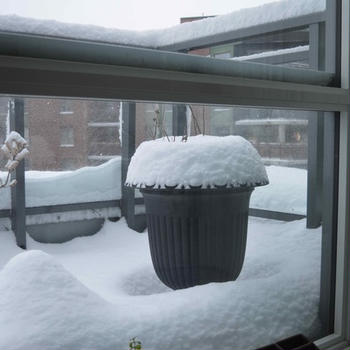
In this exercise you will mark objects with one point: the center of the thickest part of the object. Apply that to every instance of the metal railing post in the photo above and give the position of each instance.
(18, 218)
(135, 222)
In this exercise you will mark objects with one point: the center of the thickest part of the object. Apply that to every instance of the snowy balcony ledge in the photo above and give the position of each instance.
(228, 24)
(91, 44)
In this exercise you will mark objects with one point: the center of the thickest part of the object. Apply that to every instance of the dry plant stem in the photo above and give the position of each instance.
(203, 120)
(154, 136)
(7, 180)
(195, 122)
(160, 126)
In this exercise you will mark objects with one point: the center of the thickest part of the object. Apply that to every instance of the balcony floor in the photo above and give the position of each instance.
(110, 293)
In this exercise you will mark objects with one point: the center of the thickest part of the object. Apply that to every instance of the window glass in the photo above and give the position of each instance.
(277, 221)
(153, 120)
(279, 286)
(66, 107)
(69, 152)
(5, 195)
(67, 136)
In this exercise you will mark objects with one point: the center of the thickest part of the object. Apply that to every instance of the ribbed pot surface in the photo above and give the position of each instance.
(197, 236)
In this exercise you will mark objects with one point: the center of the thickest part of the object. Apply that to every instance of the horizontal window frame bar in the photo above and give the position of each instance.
(275, 215)
(33, 77)
(34, 46)
(60, 208)
(5, 213)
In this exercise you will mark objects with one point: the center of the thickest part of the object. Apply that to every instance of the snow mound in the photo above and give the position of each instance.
(40, 300)
(86, 184)
(286, 191)
(201, 161)
(276, 295)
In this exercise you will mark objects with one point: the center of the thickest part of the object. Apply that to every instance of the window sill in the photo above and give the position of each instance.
(332, 342)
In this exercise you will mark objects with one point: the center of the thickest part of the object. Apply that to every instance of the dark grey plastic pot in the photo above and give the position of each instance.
(197, 236)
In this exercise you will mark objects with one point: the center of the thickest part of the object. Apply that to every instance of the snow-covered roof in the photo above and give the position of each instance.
(201, 161)
(244, 18)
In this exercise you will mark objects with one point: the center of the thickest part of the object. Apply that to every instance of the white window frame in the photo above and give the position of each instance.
(341, 337)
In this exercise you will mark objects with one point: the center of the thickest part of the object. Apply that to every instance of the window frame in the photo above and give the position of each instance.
(67, 134)
(91, 79)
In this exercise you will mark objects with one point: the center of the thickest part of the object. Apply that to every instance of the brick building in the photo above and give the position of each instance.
(67, 134)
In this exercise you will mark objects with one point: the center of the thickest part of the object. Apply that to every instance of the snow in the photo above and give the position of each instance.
(286, 191)
(304, 48)
(267, 13)
(13, 139)
(15, 150)
(98, 292)
(88, 184)
(5, 192)
(205, 161)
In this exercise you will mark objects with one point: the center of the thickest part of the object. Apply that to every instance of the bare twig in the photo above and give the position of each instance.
(195, 122)
(158, 124)
(203, 119)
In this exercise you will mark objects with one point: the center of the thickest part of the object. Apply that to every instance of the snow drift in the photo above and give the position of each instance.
(42, 305)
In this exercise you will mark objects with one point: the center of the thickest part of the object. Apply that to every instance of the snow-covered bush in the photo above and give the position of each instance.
(14, 149)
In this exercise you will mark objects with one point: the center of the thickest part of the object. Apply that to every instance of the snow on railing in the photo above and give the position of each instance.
(87, 184)
(244, 18)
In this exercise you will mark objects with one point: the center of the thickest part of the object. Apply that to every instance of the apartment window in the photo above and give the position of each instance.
(66, 107)
(224, 51)
(67, 136)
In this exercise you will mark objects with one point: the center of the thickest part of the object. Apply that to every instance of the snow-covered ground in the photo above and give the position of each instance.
(286, 192)
(97, 292)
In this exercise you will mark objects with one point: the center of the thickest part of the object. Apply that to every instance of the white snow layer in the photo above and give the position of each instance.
(286, 191)
(205, 161)
(88, 184)
(106, 292)
(243, 18)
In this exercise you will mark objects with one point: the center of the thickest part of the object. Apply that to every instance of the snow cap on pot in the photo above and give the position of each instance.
(200, 162)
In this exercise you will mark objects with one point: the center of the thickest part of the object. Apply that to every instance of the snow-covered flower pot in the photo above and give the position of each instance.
(197, 199)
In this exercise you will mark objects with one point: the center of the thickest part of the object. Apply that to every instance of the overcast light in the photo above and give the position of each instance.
(123, 14)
